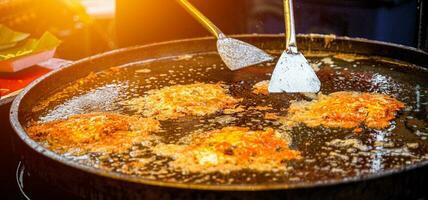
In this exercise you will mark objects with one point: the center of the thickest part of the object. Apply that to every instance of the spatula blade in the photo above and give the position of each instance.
(237, 54)
(293, 74)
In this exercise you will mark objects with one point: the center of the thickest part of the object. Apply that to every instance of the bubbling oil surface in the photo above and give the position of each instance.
(328, 154)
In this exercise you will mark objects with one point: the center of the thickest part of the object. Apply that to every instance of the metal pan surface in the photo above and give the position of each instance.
(343, 64)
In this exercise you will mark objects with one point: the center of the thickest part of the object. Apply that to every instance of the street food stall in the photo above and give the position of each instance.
(150, 100)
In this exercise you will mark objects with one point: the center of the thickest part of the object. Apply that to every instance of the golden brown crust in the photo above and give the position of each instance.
(182, 100)
(346, 110)
(229, 149)
(94, 132)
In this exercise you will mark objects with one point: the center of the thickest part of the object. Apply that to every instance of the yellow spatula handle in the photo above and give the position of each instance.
(290, 34)
(201, 18)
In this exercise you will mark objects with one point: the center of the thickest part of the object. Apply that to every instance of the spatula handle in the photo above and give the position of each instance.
(290, 33)
(201, 18)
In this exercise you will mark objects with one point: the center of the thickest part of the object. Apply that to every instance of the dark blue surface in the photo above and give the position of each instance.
(390, 22)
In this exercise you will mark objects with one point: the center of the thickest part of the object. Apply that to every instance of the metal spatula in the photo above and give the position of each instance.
(234, 53)
(292, 73)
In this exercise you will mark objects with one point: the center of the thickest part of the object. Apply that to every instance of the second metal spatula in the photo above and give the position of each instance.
(234, 53)
(292, 73)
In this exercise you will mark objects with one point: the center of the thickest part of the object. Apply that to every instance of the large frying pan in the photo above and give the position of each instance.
(410, 75)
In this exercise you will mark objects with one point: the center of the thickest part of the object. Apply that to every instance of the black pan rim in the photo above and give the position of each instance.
(19, 130)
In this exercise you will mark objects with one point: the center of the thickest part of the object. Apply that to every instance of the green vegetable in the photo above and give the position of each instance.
(30, 46)
(9, 38)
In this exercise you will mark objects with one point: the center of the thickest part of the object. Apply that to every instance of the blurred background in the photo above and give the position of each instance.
(91, 26)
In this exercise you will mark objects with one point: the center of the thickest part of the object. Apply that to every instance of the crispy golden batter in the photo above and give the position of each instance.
(95, 132)
(180, 100)
(261, 88)
(230, 149)
(346, 110)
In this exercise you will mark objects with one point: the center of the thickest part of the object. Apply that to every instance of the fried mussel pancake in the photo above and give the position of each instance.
(177, 101)
(346, 110)
(230, 149)
(343, 109)
(94, 132)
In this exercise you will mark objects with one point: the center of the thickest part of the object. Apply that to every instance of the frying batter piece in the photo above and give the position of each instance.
(345, 110)
(176, 101)
(94, 132)
(261, 88)
(230, 149)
